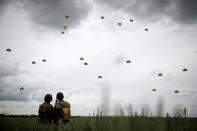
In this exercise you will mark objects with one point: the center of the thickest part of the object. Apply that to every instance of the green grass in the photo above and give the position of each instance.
(101, 124)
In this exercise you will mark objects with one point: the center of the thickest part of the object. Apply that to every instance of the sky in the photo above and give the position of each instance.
(32, 30)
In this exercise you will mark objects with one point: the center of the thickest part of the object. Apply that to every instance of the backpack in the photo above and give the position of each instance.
(65, 113)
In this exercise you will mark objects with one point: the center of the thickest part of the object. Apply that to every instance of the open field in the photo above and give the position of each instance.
(101, 124)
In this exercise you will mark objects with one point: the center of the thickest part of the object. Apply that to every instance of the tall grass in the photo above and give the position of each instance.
(101, 123)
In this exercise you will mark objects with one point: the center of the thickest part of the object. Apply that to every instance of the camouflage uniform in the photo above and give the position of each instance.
(58, 111)
(45, 112)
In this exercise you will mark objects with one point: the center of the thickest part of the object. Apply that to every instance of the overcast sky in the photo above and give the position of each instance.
(32, 29)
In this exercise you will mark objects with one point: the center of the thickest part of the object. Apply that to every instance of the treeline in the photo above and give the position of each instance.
(31, 115)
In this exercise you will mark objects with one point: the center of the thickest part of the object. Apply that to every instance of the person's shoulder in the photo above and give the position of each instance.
(51, 105)
(66, 103)
(63, 101)
(48, 105)
(41, 105)
(45, 105)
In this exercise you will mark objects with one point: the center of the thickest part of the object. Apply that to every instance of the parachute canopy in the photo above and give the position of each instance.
(8, 50)
(33, 62)
(160, 74)
(100, 77)
(67, 17)
(119, 24)
(153, 89)
(131, 20)
(21, 88)
(44, 60)
(128, 61)
(81, 58)
(85, 63)
(146, 29)
(65, 27)
(176, 91)
(185, 69)
(102, 17)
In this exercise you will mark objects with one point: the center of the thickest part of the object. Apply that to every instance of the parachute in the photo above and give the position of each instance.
(65, 27)
(33, 62)
(176, 91)
(85, 63)
(160, 74)
(146, 29)
(21, 88)
(100, 77)
(67, 17)
(62, 32)
(185, 69)
(119, 24)
(128, 61)
(44, 60)
(153, 89)
(131, 20)
(81, 58)
(102, 17)
(8, 50)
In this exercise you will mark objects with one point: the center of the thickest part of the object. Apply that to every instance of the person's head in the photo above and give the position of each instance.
(60, 96)
(48, 98)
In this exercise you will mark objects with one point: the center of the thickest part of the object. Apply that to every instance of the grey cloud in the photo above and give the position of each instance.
(119, 59)
(3, 3)
(7, 70)
(105, 97)
(51, 13)
(180, 11)
(11, 96)
(9, 91)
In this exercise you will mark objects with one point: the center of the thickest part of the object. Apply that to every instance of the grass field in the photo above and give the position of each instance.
(101, 124)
